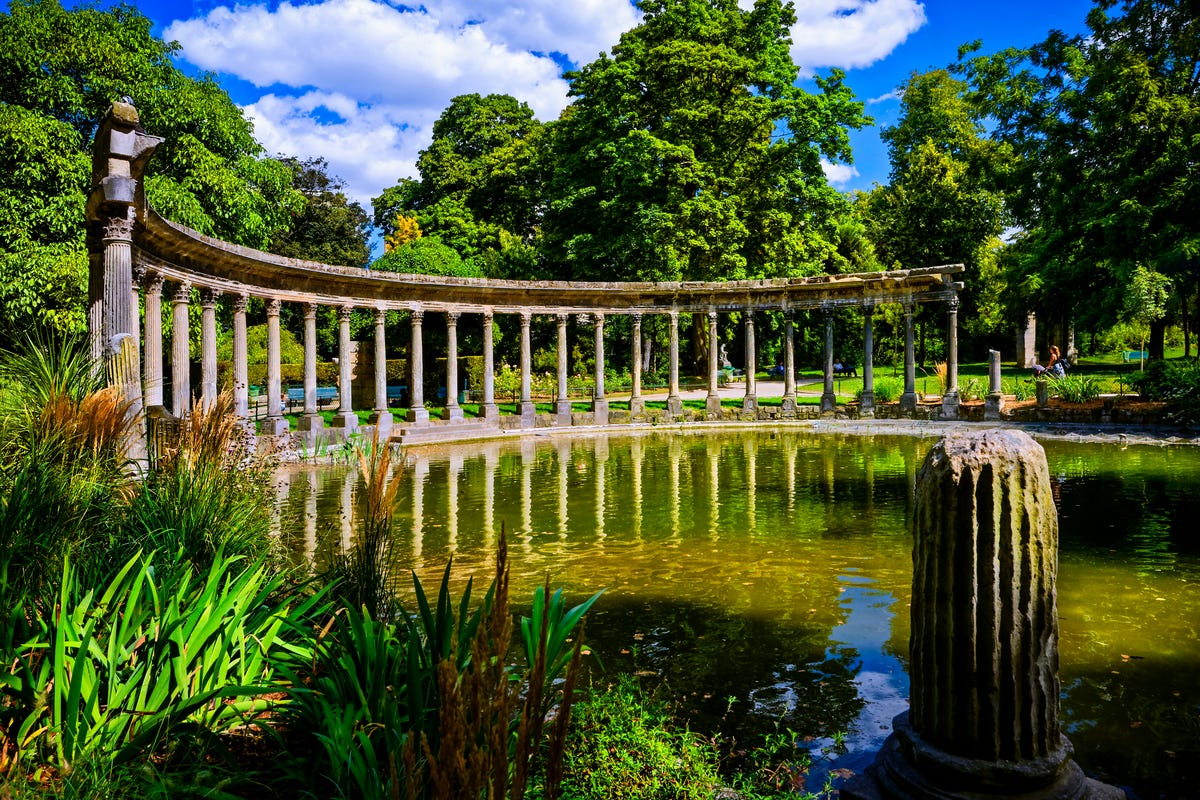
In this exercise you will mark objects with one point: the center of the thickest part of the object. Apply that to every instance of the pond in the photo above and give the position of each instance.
(764, 575)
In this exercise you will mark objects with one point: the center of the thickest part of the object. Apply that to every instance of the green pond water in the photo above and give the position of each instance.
(764, 575)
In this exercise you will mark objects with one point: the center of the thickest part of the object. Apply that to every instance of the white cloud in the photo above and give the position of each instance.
(360, 82)
(894, 94)
(838, 174)
(852, 33)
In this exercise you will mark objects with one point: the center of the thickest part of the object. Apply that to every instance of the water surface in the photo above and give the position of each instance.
(764, 576)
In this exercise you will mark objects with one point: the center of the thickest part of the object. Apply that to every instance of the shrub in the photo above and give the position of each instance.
(1176, 382)
(427, 256)
(624, 744)
(887, 389)
(1020, 388)
(1075, 388)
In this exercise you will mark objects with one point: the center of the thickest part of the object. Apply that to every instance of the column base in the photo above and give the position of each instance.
(750, 404)
(866, 405)
(489, 411)
(453, 413)
(950, 405)
(908, 768)
(562, 413)
(675, 406)
(383, 421)
(600, 411)
(311, 422)
(712, 405)
(528, 414)
(908, 401)
(787, 406)
(345, 420)
(418, 415)
(276, 426)
(828, 403)
(993, 406)
(637, 407)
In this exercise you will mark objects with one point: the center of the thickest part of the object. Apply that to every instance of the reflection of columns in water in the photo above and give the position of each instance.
(528, 458)
(563, 452)
(601, 456)
(789, 471)
(283, 487)
(420, 471)
(828, 462)
(347, 506)
(454, 469)
(714, 486)
(310, 519)
(638, 456)
(750, 450)
(675, 453)
(490, 459)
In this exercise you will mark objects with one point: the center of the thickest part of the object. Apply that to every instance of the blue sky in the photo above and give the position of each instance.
(360, 82)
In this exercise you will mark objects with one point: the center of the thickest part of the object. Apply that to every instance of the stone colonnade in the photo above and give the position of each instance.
(133, 249)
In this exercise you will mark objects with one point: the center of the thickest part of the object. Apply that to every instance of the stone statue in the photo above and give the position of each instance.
(724, 357)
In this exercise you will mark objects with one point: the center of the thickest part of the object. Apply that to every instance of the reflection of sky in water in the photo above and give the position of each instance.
(881, 680)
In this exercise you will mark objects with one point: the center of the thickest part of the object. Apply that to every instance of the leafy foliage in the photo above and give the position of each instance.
(1177, 382)
(427, 255)
(329, 228)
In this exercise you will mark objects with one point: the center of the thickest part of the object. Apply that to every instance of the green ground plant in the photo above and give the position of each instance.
(1075, 388)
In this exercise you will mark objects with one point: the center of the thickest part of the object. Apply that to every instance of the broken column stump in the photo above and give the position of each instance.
(983, 713)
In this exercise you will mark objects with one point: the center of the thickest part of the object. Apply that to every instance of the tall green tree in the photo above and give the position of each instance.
(690, 153)
(329, 228)
(60, 69)
(480, 186)
(944, 202)
(1105, 125)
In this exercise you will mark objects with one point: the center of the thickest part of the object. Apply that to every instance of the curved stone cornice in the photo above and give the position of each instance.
(181, 253)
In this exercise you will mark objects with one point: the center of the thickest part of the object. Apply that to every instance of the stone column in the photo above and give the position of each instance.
(276, 424)
(866, 405)
(138, 273)
(788, 405)
(950, 396)
(599, 401)
(562, 404)
(454, 411)
(208, 348)
(674, 403)
(828, 398)
(181, 376)
(345, 418)
(118, 311)
(983, 714)
(712, 402)
(380, 417)
(311, 419)
(527, 409)
(750, 401)
(993, 405)
(417, 413)
(1027, 342)
(637, 406)
(488, 410)
(241, 372)
(908, 400)
(153, 368)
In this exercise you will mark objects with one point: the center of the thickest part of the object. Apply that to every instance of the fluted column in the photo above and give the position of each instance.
(527, 409)
(489, 410)
(208, 347)
(181, 376)
(599, 401)
(866, 406)
(311, 419)
(983, 714)
(750, 400)
(993, 404)
(117, 307)
(380, 417)
(241, 373)
(788, 405)
(950, 395)
(417, 413)
(138, 272)
(454, 411)
(908, 400)
(637, 406)
(562, 403)
(153, 367)
(712, 403)
(674, 403)
(345, 418)
(828, 398)
(276, 424)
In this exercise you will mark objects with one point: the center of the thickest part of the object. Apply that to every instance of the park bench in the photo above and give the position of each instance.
(845, 370)
(325, 395)
(1135, 355)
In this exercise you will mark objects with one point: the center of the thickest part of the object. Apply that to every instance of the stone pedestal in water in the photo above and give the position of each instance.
(983, 714)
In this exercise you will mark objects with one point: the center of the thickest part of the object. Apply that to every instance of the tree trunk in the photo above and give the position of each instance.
(1158, 338)
(699, 338)
(921, 344)
(1187, 328)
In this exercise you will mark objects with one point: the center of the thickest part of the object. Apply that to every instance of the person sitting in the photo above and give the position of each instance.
(1055, 368)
